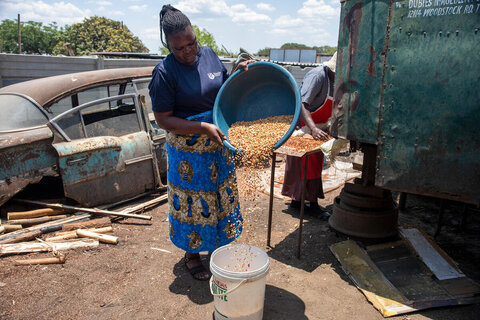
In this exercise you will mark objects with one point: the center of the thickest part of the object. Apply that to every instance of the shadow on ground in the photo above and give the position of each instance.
(282, 305)
(316, 239)
(197, 291)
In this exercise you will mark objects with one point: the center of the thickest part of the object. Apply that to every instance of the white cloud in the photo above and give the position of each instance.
(136, 8)
(308, 26)
(203, 6)
(288, 22)
(265, 6)
(151, 33)
(60, 12)
(118, 13)
(103, 3)
(241, 13)
(318, 9)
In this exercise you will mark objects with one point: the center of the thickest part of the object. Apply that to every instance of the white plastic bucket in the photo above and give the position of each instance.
(238, 281)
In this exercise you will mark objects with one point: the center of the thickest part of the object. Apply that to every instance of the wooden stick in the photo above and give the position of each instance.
(27, 236)
(146, 204)
(28, 262)
(34, 213)
(27, 247)
(90, 210)
(94, 223)
(45, 227)
(73, 234)
(12, 227)
(33, 221)
(100, 237)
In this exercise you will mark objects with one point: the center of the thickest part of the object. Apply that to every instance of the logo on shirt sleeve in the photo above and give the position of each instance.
(214, 75)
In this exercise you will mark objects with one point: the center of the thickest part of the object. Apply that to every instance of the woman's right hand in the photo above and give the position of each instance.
(318, 133)
(213, 132)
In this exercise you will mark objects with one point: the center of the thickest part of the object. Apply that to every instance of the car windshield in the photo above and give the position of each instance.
(18, 112)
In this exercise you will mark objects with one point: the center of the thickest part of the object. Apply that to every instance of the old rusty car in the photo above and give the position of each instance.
(90, 134)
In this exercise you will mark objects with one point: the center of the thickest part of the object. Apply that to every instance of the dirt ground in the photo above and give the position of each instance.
(136, 280)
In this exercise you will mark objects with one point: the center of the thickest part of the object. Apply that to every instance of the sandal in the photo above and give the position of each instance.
(197, 271)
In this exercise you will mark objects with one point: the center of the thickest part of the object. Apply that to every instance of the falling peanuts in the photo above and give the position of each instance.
(255, 139)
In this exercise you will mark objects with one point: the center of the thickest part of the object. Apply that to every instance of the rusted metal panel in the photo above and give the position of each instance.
(46, 91)
(429, 128)
(25, 157)
(359, 70)
(106, 169)
(418, 99)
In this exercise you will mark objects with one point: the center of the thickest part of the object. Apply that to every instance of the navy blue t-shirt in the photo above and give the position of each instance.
(187, 89)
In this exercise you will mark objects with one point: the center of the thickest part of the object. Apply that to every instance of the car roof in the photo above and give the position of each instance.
(46, 91)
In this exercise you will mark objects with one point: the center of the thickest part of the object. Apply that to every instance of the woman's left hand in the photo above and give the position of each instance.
(243, 65)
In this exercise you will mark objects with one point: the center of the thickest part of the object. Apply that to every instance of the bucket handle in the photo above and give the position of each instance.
(228, 292)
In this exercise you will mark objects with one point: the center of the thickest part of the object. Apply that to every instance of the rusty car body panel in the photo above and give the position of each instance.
(102, 150)
(25, 157)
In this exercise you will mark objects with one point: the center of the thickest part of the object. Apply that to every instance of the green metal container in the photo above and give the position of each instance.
(407, 82)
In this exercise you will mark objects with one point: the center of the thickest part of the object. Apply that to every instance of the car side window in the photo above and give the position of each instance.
(60, 107)
(18, 113)
(113, 116)
(99, 93)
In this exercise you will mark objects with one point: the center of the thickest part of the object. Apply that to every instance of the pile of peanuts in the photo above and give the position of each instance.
(256, 139)
(304, 144)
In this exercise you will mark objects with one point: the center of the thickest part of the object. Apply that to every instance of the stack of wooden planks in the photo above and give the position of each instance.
(56, 227)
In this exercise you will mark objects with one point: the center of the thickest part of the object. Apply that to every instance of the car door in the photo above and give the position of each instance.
(157, 134)
(106, 155)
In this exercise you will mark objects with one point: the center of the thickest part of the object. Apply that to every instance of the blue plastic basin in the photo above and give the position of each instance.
(265, 90)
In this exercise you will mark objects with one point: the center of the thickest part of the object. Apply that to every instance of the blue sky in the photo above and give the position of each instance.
(252, 25)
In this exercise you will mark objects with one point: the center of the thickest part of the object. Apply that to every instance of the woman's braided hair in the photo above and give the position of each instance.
(172, 20)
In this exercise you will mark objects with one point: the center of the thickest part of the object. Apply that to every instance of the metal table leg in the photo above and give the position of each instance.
(270, 206)
(302, 206)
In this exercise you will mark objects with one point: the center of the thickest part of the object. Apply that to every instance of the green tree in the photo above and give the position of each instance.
(99, 34)
(325, 50)
(293, 45)
(204, 38)
(36, 38)
(320, 50)
(263, 52)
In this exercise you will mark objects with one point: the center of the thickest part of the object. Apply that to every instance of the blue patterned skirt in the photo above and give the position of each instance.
(204, 211)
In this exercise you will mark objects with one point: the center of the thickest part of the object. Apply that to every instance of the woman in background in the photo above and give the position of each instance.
(317, 101)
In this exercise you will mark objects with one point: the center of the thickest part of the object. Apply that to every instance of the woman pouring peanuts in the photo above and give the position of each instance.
(316, 91)
(204, 211)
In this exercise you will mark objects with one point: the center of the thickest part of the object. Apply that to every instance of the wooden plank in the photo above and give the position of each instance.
(37, 213)
(105, 238)
(370, 280)
(440, 267)
(34, 221)
(95, 223)
(28, 247)
(30, 235)
(45, 226)
(60, 236)
(89, 210)
(53, 260)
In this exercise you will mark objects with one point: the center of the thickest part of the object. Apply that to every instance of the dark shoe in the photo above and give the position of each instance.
(294, 204)
(315, 210)
(324, 215)
(196, 269)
